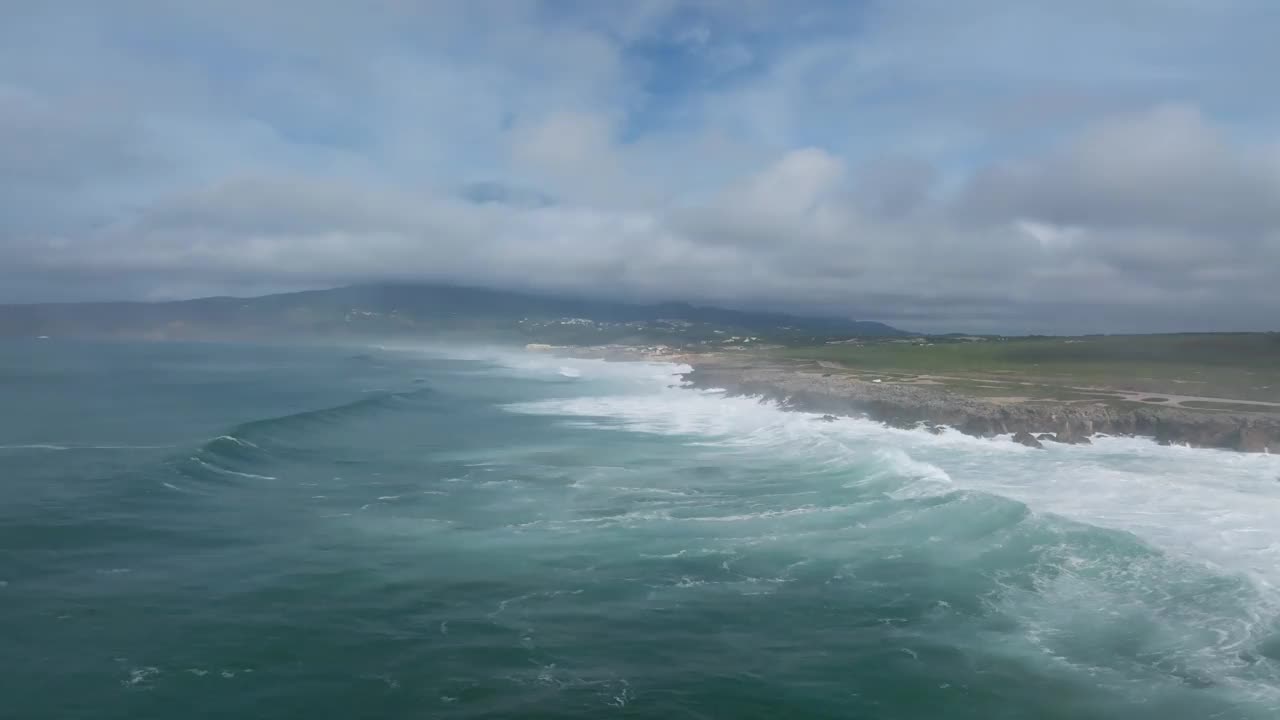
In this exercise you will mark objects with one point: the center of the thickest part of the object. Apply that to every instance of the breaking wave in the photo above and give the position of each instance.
(1122, 559)
(248, 450)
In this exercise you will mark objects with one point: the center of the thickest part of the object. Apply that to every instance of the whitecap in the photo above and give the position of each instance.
(1213, 506)
(228, 471)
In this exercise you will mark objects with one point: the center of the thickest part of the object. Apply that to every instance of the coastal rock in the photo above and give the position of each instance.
(1073, 437)
(1254, 439)
(914, 406)
(1022, 437)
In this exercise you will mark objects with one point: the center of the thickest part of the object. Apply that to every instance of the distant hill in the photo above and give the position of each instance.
(406, 310)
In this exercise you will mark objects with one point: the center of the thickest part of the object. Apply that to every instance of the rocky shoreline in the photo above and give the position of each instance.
(1030, 423)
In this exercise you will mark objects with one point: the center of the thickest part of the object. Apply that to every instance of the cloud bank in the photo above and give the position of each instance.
(986, 166)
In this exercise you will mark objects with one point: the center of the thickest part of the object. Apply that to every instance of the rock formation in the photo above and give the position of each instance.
(903, 405)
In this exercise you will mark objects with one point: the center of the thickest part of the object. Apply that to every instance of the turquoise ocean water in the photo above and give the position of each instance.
(219, 531)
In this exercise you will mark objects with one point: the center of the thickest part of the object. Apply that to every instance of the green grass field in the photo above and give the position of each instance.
(1242, 366)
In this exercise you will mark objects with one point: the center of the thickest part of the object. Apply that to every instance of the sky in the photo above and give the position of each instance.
(978, 166)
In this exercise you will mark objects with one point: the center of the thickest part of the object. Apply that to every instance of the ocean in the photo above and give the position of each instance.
(236, 531)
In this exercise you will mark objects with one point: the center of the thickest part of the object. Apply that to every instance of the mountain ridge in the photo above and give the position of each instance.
(396, 309)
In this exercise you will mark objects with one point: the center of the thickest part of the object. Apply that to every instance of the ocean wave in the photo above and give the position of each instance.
(247, 433)
(1103, 598)
(227, 471)
(617, 511)
(63, 447)
(250, 449)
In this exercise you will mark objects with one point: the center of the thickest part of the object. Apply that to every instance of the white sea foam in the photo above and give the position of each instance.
(827, 491)
(1211, 506)
(140, 676)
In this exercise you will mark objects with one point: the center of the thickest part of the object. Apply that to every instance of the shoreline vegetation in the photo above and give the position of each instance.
(1216, 395)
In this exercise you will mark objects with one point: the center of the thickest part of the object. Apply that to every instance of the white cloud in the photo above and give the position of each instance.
(938, 164)
(1165, 168)
(573, 154)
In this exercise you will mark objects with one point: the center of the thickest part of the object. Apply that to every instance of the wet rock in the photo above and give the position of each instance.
(1075, 433)
(1253, 439)
(1025, 438)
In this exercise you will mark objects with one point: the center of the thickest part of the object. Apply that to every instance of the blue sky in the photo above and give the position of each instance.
(983, 165)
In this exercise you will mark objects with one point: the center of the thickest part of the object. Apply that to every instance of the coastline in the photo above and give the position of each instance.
(1030, 422)
(926, 407)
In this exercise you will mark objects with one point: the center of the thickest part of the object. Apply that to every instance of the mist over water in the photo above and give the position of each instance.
(215, 531)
